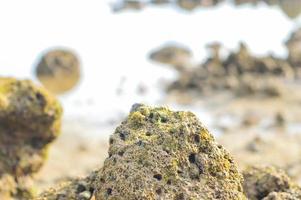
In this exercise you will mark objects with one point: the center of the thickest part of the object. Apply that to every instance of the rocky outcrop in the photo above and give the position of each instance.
(157, 153)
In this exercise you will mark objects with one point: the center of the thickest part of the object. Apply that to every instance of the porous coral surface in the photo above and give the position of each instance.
(157, 153)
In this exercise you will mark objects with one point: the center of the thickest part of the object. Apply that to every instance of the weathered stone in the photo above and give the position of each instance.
(59, 70)
(160, 154)
(29, 121)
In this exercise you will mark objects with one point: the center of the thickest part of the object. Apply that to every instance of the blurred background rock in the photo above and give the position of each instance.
(59, 70)
(291, 8)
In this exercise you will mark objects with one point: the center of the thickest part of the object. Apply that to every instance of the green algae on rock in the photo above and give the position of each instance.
(30, 120)
(59, 70)
(269, 183)
(160, 154)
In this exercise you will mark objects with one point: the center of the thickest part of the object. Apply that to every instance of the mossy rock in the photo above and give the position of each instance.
(160, 154)
(30, 120)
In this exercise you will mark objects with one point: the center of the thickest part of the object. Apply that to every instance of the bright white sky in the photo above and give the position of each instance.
(115, 45)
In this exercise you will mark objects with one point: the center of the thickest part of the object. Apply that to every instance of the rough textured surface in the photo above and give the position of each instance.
(76, 189)
(29, 121)
(59, 70)
(269, 182)
(160, 154)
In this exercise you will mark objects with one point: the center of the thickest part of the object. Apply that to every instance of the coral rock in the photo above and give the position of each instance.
(30, 120)
(160, 154)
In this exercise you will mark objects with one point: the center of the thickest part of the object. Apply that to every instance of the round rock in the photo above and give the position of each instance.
(59, 70)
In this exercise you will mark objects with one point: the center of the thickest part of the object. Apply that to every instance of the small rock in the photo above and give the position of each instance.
(280, 119)
(59, 70)
(175, 55)
(251, 119)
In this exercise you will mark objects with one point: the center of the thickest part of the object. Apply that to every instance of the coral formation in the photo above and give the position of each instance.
(157, 153)
(160, 154)
(59, 70)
